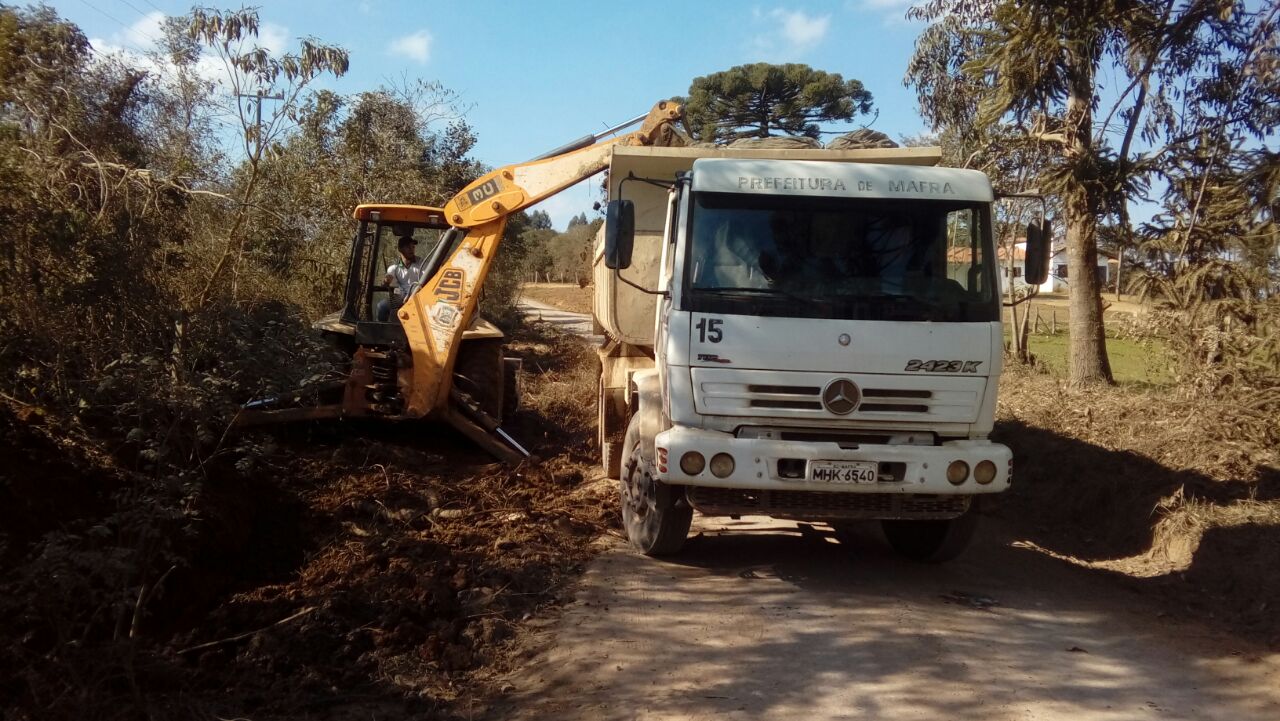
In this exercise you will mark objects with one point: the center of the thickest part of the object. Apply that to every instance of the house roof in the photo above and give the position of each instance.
(960, 254)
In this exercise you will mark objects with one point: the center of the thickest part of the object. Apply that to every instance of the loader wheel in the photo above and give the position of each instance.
(479, 373)
(655, 515)
(932, 541)
(510, 388)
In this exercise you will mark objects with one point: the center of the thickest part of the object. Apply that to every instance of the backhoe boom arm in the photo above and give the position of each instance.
(435, 316)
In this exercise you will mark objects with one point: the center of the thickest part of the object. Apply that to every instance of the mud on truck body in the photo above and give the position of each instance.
(805, 334)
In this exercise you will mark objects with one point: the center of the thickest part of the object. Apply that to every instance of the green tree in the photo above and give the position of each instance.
(761, 100)
(540, 220)
(252, 71)
(1037, 65)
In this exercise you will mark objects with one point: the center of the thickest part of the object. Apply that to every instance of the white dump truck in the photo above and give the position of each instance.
(804, 334)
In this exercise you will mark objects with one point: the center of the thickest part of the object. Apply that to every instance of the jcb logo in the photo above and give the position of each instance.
(486, 190)
(450, 286)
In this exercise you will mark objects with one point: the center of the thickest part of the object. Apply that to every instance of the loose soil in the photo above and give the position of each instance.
(362, 569)
(565, 296)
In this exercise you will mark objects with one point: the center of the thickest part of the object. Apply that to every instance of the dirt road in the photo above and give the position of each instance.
(767, 619)
(575, 323)
(770, 619)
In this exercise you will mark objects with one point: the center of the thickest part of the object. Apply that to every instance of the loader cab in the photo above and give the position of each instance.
(373, 251)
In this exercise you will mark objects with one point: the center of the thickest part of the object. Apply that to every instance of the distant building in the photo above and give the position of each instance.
(1058, 280)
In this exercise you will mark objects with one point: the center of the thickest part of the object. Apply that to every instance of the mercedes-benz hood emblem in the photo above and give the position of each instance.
(841, 396)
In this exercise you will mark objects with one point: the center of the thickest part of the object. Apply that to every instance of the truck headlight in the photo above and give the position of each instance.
(692, 463)
(722, 465)
(984, 472)
(957, 472)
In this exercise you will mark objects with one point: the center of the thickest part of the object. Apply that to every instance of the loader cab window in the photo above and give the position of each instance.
(386, 274)
(839, 258)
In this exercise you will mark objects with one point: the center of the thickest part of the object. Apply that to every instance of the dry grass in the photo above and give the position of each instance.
(1182, 492)
(565, 296)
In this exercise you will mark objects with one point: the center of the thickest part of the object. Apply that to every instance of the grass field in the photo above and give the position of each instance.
(1133, 362)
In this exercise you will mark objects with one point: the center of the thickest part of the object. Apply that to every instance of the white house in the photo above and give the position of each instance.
(1058, 279)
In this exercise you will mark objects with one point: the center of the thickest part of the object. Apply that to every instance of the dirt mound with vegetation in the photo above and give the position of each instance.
(1181, 493)
(372, 567)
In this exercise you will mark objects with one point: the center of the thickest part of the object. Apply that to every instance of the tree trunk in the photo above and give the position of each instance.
(1019, 350)
(1119, 267)
(1088, 357)
(1087, 360)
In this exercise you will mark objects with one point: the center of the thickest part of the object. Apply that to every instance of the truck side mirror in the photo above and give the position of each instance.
(1039, 241)
(619, 233)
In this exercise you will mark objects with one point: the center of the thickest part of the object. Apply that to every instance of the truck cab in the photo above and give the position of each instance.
(824, 343)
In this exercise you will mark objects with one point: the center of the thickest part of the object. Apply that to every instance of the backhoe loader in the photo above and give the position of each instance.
(435, 358)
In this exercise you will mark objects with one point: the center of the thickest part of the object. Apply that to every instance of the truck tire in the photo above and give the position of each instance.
(932, 541)
(611, 458)
(655, 516)
(610, 440)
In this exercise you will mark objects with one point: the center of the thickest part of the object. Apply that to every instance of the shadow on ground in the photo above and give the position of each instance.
(765, 622)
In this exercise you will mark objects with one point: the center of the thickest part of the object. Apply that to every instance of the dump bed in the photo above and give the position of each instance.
(627, 315)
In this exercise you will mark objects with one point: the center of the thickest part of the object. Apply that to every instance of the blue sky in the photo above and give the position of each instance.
(535, 75)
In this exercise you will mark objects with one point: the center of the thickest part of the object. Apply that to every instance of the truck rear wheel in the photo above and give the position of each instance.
(932, 541)
(655, 515)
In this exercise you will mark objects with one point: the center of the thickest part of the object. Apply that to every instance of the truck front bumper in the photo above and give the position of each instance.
(767, 464)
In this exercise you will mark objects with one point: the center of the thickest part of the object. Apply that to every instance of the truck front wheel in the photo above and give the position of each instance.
(932, 541)
(655, 515)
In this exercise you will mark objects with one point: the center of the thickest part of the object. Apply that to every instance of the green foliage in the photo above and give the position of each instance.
(151, 281)
(1195, 78)
(540, 220)
(759, 100)
(563, 257)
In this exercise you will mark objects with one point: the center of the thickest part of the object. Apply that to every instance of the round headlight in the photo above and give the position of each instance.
(722, 465)
(692, 463)
(957, 472)
(984, 472)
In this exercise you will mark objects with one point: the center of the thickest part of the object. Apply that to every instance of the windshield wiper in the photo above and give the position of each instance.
(757, 292)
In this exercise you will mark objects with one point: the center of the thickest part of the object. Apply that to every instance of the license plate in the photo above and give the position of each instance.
(844, 471)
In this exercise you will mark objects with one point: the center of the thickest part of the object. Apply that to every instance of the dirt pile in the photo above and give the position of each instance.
(357, 568)
(1140, 482)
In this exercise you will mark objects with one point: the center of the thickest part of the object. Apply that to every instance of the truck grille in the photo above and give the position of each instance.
(821, 505)
(732, 392)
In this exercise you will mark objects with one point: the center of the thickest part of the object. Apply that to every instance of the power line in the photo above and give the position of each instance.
(126, 28)
(140, 12)
(115, 20)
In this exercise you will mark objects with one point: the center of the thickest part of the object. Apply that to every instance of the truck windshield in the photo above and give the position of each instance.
(851, 259)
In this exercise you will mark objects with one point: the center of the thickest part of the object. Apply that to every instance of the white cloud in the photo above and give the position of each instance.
(134, 41)
(802, 31)
(791, 32)
(415, 46)
(146, 32)
(273, 38)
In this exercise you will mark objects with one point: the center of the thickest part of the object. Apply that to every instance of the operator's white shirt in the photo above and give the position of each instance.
(407, 277)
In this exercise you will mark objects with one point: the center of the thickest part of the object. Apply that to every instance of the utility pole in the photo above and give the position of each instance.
(258, 97)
